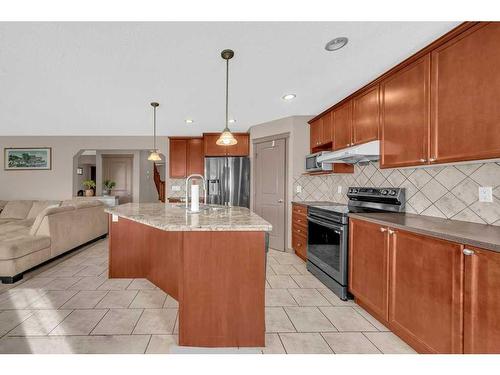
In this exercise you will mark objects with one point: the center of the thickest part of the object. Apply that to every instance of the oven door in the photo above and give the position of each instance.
(327, 247)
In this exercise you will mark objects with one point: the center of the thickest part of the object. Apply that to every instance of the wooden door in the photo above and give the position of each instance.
(269, 194)
(426, 291)
(405, 116)
(482, 302)
(365, 116)
(342, 126)
(315, 129)
(242, 148)
(368, 265)
(177, 158)
(465, 91)
(327, 128)
(195, 159)
(119, 169)
(210, 146)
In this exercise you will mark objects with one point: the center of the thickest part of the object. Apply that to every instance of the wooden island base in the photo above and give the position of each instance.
(217, 277)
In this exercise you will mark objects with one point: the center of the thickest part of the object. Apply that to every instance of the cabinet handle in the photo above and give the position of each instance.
(391, 232)
(423, 160)
(432, 160)
(468, 252)
(383, 229)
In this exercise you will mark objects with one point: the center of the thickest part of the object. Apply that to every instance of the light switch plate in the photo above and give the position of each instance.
(339, 189)
(485, 194)
(176, 188)
(298, 189)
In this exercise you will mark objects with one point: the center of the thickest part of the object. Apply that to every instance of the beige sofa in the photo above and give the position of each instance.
(33, 232)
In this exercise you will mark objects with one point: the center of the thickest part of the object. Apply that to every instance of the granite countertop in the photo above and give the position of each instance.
(472, 234)
(316, 203)
(174, 217)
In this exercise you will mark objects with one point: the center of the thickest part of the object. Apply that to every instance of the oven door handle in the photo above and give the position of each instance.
(336, 228)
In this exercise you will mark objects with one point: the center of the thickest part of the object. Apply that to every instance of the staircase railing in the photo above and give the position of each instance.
(160, 185)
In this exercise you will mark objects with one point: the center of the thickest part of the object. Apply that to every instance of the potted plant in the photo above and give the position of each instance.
(89, 187)
(108, 185)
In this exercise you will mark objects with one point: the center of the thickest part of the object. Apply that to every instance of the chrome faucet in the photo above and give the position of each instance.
(191, 177)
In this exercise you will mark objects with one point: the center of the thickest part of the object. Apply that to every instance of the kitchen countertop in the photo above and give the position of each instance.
(472, 234)
(316, 203)
(174, 217)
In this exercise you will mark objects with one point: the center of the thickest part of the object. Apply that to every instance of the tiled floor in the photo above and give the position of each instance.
(70, 306)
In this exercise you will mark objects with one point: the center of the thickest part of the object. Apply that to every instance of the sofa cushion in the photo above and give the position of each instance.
(19, 243)
(50, 210)
(87, 204)
(39, 206)
(16, 224)
(2, 205)
(7, 221)
(16, 210)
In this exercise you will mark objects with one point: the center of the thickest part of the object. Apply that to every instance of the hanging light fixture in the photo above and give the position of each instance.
(154, 155)
(227, 138)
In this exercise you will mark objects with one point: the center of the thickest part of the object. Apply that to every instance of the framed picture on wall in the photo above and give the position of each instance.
(24, 159)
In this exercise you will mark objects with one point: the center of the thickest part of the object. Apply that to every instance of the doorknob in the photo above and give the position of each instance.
(280, 200)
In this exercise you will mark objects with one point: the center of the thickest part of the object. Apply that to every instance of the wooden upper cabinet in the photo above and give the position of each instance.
(342, 126)
(405, 106)
(327, 128)
(316, 133)
(195, 156)
(177, 158)
(368, 265)
(210, 147)
(242, 148)
(365, 116)
(426, 291)
(482, 302)
(465, 90)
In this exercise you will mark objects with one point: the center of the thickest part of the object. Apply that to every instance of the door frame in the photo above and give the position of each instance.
(288, 205)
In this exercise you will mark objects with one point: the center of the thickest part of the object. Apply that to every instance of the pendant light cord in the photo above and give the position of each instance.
(227, 94)
(154, 129)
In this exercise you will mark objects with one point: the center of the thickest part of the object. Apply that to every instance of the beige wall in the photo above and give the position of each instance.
(58, 182)
(298, 148)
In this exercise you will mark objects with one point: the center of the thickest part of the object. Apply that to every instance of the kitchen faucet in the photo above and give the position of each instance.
(189, 178)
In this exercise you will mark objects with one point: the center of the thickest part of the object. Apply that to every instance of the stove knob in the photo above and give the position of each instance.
(384, 192)
(392, 192)
(354, 191)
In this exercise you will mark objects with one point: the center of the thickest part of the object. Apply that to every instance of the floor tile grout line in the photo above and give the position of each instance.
(380, 350)
(321, 311)
(357, 312)
(290, 319)
(327, 343)
(147, 345)
(135, 296)
(137, 322)
(21, 322)
(282, 343)
(100, 320)
(58, 324)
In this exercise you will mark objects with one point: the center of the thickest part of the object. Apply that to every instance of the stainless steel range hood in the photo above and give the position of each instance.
(361, 153)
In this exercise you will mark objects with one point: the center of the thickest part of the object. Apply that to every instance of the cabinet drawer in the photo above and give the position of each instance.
(299, 231)
(299, 219)
(297, 208)
(299, 244)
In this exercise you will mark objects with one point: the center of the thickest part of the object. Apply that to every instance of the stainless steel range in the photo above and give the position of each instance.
(327, 242)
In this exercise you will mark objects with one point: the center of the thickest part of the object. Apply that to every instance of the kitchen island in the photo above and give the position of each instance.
(212, 263)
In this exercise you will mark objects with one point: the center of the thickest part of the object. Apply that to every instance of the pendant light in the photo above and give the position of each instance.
(227, 138)
(154, 155)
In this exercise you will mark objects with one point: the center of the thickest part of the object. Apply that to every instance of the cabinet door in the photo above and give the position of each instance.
(342, 125)
(465, 92)
(405, 116)
(195, 158)
(482, 302)
(368, 265)
(211, 148)
(426, 291)
(327, 128)
(365, 116)
(177, 158)
(316, 130)
(242, 148)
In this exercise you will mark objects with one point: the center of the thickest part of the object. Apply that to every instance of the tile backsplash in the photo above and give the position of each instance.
(443, 191)
(181, 182)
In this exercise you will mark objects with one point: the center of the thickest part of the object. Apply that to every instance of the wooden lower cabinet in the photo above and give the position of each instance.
(482, 302)
(299, 230)
(368, 265)
(425, 289)
(425, 292)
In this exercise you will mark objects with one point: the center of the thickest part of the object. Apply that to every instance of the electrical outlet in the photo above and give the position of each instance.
(298, 189)
(339, 189)
(176, 188)
(485, 194)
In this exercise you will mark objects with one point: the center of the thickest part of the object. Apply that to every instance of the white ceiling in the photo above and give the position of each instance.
(98, 78)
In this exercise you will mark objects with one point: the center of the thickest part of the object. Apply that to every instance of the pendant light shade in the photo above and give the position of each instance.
(154, 155)
(227, 138)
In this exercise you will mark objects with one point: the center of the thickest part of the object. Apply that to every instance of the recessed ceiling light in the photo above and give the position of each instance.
(189, 121)
(336, 43)
(232, 121)
(288, 96)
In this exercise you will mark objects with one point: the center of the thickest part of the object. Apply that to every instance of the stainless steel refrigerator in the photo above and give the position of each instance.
(228, 181)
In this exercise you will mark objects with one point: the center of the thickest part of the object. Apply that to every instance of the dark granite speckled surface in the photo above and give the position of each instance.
(471, 234)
